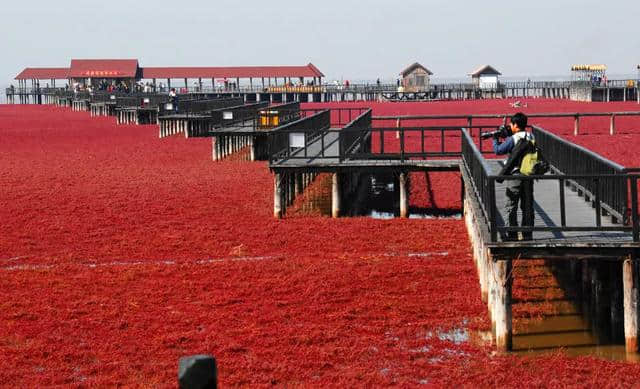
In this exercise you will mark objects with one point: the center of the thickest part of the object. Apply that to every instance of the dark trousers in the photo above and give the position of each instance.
(519, 192)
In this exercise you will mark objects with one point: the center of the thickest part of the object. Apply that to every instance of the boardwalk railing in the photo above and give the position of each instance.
(340, 117)
(355, 136)
(278, 115)
(484, 186)
(295, 137)
(576, 116)
(239, 116)
(570, 159)
(479, 172)
(197, 106)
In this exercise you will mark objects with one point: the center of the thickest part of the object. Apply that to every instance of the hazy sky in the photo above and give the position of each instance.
(350, 39)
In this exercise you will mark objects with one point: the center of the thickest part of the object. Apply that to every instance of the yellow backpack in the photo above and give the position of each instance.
(532, 162)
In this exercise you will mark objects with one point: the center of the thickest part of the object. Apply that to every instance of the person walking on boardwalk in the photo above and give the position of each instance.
(173, 99)
(517, 191)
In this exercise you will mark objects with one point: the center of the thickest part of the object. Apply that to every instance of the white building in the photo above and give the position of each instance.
(485, 77)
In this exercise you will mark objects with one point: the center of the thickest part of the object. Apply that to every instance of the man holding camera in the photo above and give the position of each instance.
(518, 191)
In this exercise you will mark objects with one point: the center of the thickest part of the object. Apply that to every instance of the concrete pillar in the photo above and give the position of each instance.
(299, 183)
(600, 298)
(252, 149)
(617, 312)
(214, 148)
(612, 125)
(292, 188)
(277, 197)
(630, 303)
(502, 305)
(404, 195)
(335, 195)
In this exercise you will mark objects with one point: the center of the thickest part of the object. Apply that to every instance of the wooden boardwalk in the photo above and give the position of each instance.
(579, 213)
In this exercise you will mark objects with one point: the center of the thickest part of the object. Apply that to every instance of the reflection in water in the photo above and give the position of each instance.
(316, 199)
(550, 314)
(376, 197)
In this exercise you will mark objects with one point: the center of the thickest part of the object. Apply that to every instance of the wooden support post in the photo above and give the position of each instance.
(335, 195)
(277, 196)
(502, 305)
(630, 298)
(404, 195)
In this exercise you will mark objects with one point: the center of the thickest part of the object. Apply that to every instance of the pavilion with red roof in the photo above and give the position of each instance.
(128, 71)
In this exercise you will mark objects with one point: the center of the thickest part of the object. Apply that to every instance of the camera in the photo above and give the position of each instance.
(502, 132)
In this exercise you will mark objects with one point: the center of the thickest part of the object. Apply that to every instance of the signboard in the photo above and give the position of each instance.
(112, 97)
(227, 115)
(296, 139)
(146, 100)
(168, 107)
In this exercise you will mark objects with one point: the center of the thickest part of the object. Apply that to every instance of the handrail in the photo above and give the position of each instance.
(570, 159)
(360, 87)
(501, 116)
(311, 127)
(593, 174)
(354, 133)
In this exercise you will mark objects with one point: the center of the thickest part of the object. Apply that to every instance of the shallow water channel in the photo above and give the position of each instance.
(376, 196)
(552, 311)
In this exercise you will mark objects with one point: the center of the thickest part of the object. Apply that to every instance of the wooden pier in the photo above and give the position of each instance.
(615, 90)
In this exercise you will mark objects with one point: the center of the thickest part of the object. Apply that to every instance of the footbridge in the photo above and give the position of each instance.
(586, 209)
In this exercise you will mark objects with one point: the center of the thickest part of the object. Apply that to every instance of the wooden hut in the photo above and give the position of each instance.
(485, 77)
(415, 78)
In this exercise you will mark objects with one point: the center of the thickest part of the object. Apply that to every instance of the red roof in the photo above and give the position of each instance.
(43, 74)
(232, 72)
(103, 68)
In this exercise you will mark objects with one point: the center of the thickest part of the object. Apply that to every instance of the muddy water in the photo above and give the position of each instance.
(550, 313)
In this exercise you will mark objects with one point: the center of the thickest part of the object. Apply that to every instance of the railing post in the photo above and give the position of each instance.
(493, 210)
(341, 147)
(597, 202)
(563, 210)
(402, 146)
(634, 208)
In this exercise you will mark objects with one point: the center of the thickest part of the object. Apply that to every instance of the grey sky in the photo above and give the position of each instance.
(351, 39)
